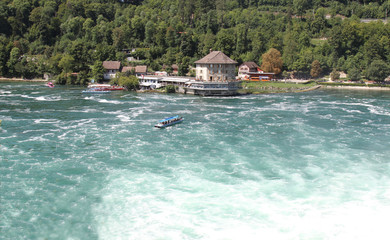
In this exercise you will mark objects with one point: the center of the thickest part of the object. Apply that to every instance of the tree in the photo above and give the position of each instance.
(315, 69)
(98, 71)
(4, 55)
(226, 41)
(66, 63)
(130, 82)
(150, 30)
(118, 38)
(187, 45)
(272, 61)
(354, 74)
(183, 66)
(13, 60)
(334, 75)
(378, 71)
(300, 6)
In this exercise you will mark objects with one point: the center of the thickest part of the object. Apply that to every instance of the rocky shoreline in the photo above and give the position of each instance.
(359, 88)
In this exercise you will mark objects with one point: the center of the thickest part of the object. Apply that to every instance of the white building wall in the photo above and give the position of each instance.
(110, 74)
(218, 72)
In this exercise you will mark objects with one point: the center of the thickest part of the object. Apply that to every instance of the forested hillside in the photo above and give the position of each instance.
(67, 36)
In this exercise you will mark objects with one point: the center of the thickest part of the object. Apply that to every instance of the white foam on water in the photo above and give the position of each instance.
(109, 101)
(89, 98)
(41, 98)
(188, 206)
(124, 118)
(136, 206)
(49, 98)
(45, 121)
(379, 110)
(265, 175)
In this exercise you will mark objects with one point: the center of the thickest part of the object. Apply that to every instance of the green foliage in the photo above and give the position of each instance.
(13, 60)
(74, 34)
(354, 74)
(170, 89)
(315, 69)
(98, 71)
(378, 71)
(130, 82)
(334, 75)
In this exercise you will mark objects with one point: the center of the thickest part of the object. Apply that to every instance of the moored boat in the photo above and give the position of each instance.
(169, 121)
(106, 87)
(95, 90)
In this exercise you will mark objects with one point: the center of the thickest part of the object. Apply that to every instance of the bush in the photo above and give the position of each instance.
(354, 74)
(170, 89)
(131, 82)
(334, 75)
(378, 71)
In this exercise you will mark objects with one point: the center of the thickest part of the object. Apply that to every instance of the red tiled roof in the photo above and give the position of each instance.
(137, 69)
(141, 69)
(250, 65)
(112, 65)
(216, 57)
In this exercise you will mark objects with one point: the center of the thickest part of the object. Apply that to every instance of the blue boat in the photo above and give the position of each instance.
(169, 121)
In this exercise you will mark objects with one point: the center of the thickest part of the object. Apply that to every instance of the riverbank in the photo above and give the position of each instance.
(276, 87)
(366, 88)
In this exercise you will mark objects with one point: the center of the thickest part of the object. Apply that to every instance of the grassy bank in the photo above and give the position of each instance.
(344, 84)
(274, 87)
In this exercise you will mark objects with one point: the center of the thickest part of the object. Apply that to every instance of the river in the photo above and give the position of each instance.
(312, 165)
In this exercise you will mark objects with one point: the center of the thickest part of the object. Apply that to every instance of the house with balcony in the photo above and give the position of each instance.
(246, 68)
(250, 71)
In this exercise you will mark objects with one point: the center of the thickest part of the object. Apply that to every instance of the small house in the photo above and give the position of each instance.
(112, 68)
(246, 68)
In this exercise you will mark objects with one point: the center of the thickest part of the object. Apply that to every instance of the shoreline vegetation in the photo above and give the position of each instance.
(271, 87)
(69, 40)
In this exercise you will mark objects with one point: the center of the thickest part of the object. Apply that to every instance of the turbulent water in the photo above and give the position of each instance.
(312, 165)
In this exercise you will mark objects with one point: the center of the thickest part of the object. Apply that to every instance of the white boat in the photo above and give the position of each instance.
(95, 90)
(105, 87)
(169, 121)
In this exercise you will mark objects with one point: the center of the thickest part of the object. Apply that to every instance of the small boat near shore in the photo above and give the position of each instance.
(50, 84)
(169, 121)
(95, 90)
(106, 87)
